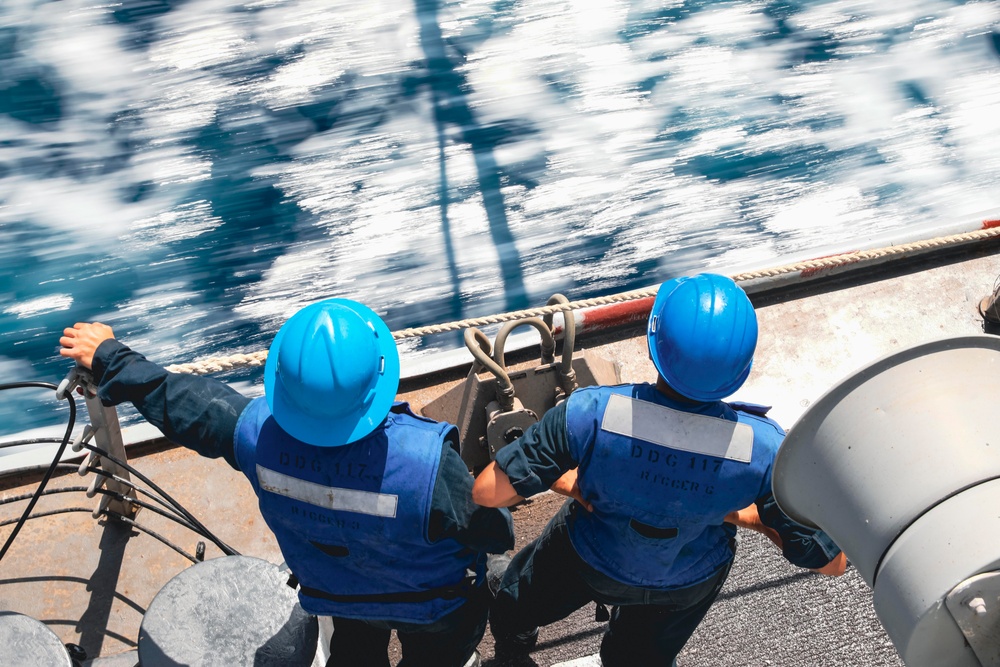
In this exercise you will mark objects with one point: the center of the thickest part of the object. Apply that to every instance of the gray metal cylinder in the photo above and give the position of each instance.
(234, 610)
(26, 642)
(890, 463)
(951, 542)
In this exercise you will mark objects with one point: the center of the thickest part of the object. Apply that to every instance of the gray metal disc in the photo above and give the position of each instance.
(234, 610)
(26, 642)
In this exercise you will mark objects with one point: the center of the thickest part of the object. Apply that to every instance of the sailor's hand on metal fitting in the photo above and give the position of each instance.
(81, 340)
(568, 485)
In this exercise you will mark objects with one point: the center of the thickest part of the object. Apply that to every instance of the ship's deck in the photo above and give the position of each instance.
(91, 584)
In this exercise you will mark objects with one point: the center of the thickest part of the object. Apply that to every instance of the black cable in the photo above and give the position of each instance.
(121, 480)
(114, 515)
(55, 459)
(166, 498)
(156, 510)
(117, 496)
(151, 533)
(27, 384)
(29, 441)
(38, 515)
(37, 468)
(26, 496)
(228, 550)
(138, 489)
(173, 517)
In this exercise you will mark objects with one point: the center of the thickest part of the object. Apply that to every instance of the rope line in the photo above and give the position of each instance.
(218, 364)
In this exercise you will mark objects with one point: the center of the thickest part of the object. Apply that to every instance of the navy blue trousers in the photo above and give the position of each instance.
(448, 642)
(547, 581)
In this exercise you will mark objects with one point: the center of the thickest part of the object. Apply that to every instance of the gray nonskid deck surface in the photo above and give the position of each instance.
(772, 613)
(769, 614)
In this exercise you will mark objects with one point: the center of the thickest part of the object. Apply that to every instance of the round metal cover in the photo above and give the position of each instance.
(891, 441)
(26, 642)
(234, 610)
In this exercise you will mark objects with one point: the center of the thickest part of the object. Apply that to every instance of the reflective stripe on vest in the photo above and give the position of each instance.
(330, 497)
(662, 475)
(351, 521)
(687, 432)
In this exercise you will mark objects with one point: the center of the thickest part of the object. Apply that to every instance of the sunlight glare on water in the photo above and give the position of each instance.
(194, 172)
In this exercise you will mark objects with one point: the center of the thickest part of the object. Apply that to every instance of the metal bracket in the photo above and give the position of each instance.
(484, 407)
(975, 606)
(106, 431)
(506, 426)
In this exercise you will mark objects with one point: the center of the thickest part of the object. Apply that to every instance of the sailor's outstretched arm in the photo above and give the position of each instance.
(455, 515)
(197, 412)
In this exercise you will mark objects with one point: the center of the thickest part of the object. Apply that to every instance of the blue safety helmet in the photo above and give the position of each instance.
(332, 372)
(702, 334)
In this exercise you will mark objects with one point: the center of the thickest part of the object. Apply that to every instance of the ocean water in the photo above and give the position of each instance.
(194, 171)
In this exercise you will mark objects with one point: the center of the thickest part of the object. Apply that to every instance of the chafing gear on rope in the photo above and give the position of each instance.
(332, 372)
(702, 334)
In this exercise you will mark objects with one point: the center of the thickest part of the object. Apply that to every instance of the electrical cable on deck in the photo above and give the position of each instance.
(55, 460)
(181, 521)
(113, 515)
(189, 520)
(226, 549)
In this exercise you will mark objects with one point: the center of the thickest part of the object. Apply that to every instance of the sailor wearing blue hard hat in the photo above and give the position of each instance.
(331, 373)
(370, 503)
(657, 474)
(702, 334)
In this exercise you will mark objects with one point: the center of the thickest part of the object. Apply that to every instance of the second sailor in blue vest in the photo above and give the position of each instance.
(370, 504)
(659, 470)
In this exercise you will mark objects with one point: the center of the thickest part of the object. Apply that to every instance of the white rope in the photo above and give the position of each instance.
(218, 364)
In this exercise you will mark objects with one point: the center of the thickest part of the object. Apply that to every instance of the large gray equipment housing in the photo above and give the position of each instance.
(900, 465)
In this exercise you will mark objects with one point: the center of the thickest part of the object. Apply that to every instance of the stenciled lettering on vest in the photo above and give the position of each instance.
(354, 470)
(320, 517)
(651, 457)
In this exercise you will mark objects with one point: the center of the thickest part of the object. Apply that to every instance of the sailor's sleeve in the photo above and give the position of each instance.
(538, 458)
(800, 545)
(197, 412)
(453, 514)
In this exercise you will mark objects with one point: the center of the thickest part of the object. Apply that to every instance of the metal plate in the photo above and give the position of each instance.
(891, 441)
(25, 641)
(975, 605)
(228, 611)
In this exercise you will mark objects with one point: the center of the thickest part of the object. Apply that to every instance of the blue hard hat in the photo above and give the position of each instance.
(332, 373)
(702, 334)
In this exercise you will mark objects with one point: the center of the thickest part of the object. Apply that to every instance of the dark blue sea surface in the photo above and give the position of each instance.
(194, 171)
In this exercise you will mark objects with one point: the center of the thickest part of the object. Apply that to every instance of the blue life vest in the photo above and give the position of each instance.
(662, 475)
(351, 521)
